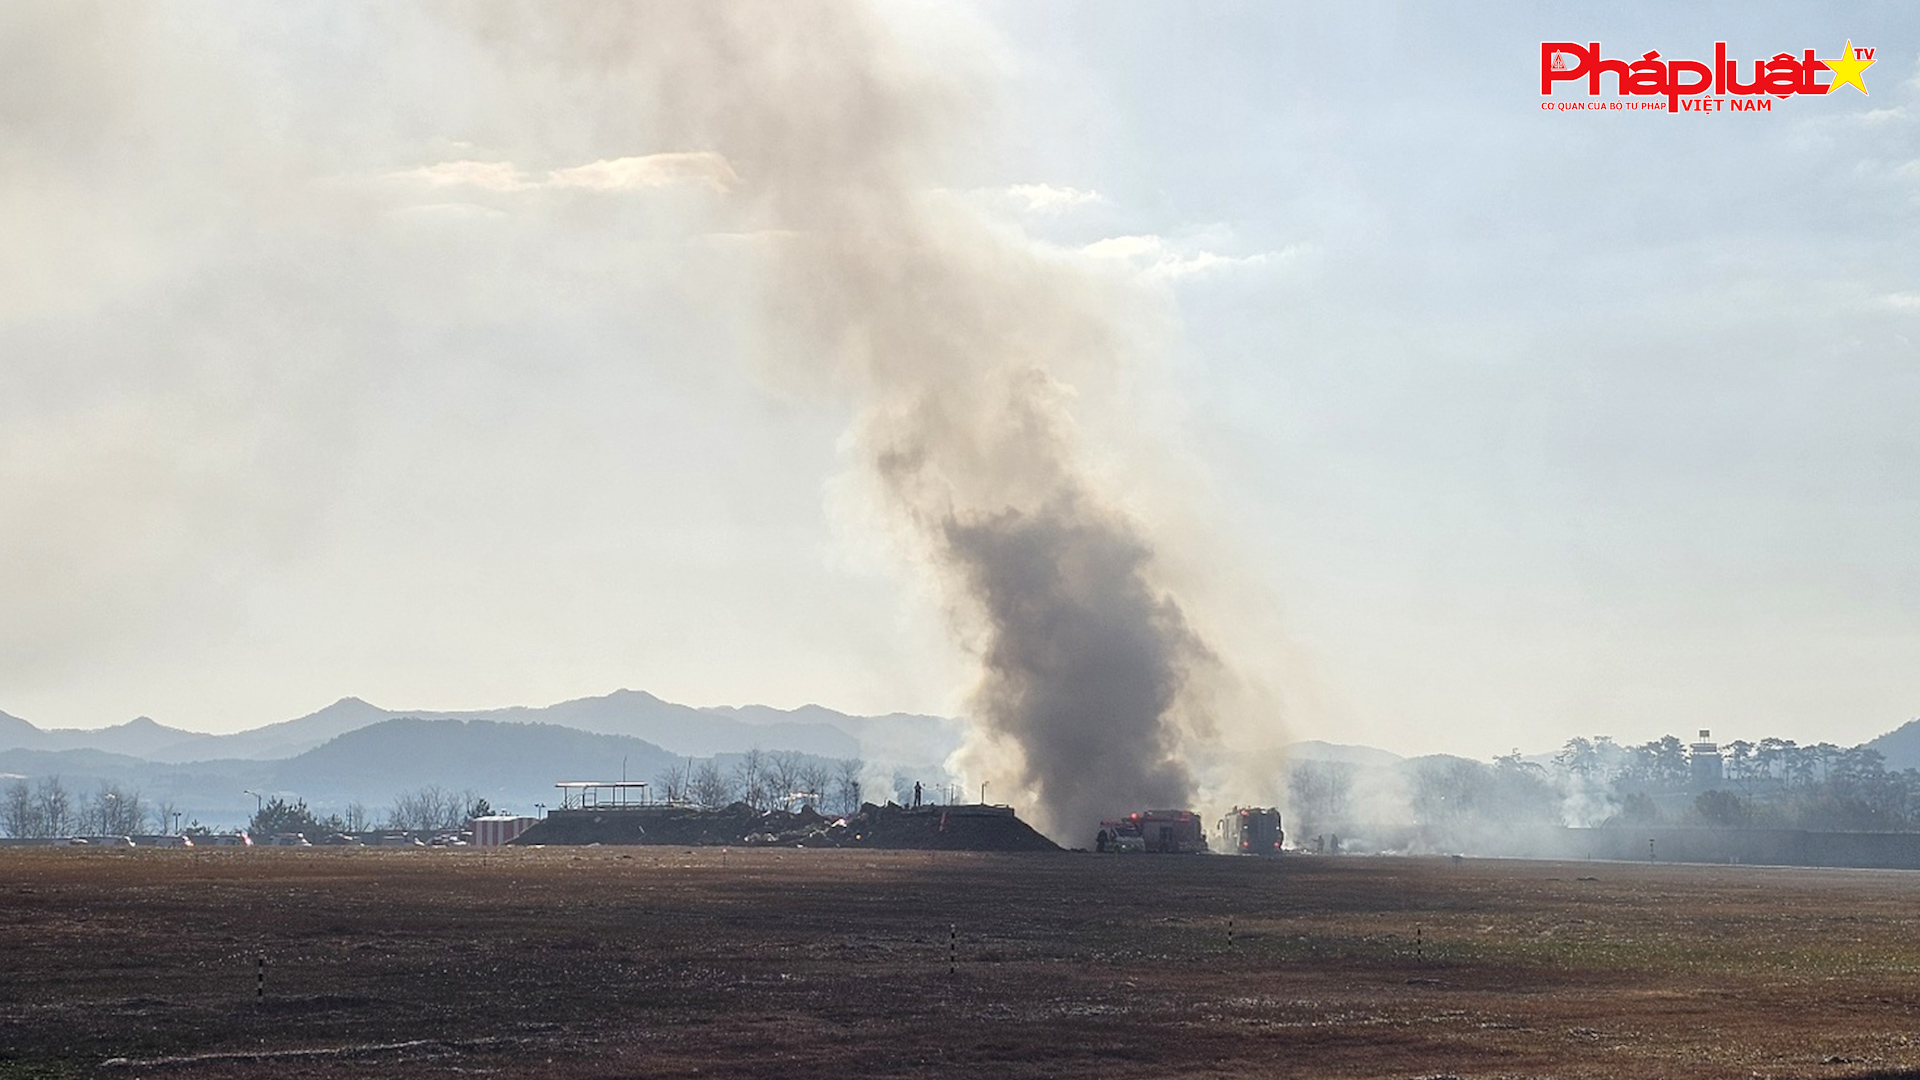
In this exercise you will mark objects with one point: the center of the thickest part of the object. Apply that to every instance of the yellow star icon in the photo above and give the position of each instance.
(1847, 70)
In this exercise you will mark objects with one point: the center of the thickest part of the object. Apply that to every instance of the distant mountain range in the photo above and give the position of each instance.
(355, 751)
(1342, 753)
(680, 729)
(512, 765)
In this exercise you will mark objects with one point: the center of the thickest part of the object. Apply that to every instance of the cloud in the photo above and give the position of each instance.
(1048, 199)
(486, 175)
(612, 174)
(1905, 301)
(1157, 257)
(647, 171)
(1125, 247)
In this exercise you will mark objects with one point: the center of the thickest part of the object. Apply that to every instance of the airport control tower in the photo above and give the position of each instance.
(1708, 766)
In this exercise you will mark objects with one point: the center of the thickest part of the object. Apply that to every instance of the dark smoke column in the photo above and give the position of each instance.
(965, 350)
(1084, 660)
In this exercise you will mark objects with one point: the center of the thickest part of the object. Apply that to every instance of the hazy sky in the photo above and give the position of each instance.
(347, 350)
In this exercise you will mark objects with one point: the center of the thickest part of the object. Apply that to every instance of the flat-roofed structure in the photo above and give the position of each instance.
(497, 829)
(602, 794)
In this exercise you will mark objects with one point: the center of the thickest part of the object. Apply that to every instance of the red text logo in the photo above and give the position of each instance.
(1784, 75)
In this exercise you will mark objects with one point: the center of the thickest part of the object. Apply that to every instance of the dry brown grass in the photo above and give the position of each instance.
(662, 962)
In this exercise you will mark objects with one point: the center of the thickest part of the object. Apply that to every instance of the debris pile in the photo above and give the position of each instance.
(933, 828)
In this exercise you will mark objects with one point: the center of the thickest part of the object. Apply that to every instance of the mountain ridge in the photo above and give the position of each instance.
(682, 730)
(1900, 747)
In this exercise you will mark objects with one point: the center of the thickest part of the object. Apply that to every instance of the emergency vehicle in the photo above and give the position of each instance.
(1159, 831)
(1251, 830)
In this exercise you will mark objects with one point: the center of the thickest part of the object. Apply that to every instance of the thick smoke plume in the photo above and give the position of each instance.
(286, 296)
(1085, 662)
(961, 346)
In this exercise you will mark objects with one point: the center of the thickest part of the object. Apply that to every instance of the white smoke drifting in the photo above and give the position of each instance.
(958, 344)
(296, 296)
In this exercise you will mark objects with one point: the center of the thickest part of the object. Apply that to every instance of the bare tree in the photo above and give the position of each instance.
(112, 812)
(814, 776)
(432, 808)
(164, 813)
(87, 815)
(358, 818)
(19, 812)
(710, 788)
(1320, 792)
(129, 811)
(846, 785)
(783, 777)
(407, 811)
(674, 781)
(750, 776)
(56, 807)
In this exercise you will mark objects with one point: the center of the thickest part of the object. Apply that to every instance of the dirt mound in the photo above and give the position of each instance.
(933, 828)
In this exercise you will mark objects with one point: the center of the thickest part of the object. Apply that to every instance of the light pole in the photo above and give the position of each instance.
(111, 823)
(542, 807)
(983, 793)
(259, 804)
(176, 823)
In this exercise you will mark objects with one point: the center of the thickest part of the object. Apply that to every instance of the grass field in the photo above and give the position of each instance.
(664, 962)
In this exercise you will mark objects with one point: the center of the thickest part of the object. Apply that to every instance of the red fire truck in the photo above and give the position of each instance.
(1251, 830)
(1164, 831)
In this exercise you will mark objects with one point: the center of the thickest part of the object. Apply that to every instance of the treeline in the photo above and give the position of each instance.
(1773, 783)
(777, 780)
(426, 809)
(1455, 802)
(764, 780)
(46, 809)
(1664, 765)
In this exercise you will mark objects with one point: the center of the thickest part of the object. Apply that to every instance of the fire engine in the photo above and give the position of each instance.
(1166, 831)
(1251, 830)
